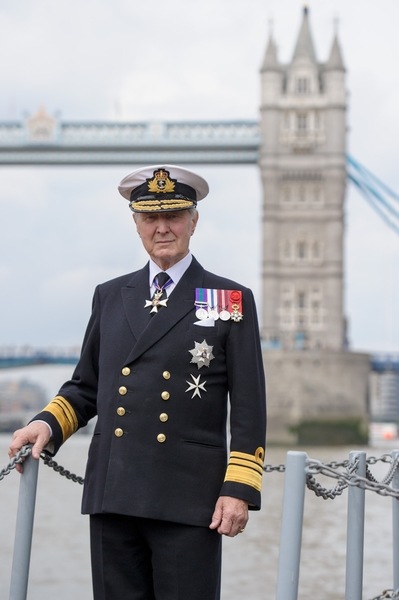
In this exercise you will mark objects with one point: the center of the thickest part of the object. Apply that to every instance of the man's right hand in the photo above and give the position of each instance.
(36, 433)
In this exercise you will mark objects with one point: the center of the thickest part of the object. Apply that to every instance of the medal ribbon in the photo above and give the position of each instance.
(201, 296)
(235, 300)
(221, 300)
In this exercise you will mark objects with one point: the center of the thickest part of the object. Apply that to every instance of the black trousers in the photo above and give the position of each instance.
(144, 559)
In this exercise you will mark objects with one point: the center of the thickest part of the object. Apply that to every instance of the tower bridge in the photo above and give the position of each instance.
(44, 140)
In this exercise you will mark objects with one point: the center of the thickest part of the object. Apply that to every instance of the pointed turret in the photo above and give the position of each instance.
(334, 76)
(335, 61)
(304, 46)
(272, 74)
(270, 61)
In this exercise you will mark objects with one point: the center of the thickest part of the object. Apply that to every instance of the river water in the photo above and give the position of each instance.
(60, 565)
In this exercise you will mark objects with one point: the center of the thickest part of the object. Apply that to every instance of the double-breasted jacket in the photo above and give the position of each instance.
(163, 386)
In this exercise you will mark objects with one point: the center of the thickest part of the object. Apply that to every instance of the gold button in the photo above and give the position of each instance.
(118, 432)
(125, 371)
(165, 395)
(121, 411)
(161, 437)
(163, 417)
(166, 375)
(123, 390)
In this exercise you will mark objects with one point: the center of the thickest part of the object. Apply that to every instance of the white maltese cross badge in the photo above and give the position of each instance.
(195, 386)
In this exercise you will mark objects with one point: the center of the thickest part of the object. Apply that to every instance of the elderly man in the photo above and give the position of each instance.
(167, 348)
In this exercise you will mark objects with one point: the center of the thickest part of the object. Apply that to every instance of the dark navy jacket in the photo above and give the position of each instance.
(160, 446)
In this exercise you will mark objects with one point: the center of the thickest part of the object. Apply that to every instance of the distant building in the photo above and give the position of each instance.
(19, 401)
(384, 389)
(314, 382)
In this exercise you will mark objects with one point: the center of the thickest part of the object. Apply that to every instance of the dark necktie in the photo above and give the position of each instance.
(160, 282)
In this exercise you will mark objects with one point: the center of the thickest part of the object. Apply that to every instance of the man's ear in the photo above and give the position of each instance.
(135, 222)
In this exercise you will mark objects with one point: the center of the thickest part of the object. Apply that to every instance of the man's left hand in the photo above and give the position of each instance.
(230, 516)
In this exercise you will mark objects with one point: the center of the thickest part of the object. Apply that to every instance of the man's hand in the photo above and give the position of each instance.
(36, 433)
(230, 516)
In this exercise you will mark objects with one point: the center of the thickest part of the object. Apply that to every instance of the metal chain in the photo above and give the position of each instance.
(49, 462)
(18, 458)
(387, 458)
(388, 594)
(347, 478)
(270, 468)
(25, 451)
(342, 484)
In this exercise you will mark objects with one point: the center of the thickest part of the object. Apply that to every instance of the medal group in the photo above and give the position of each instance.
(218, 304)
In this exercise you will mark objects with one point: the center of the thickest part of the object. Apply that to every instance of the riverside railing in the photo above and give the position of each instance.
(300, 472)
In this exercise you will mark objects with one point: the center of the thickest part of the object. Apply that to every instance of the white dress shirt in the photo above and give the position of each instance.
(175, 272)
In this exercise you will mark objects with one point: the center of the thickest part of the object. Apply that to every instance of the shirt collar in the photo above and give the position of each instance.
(175, 272)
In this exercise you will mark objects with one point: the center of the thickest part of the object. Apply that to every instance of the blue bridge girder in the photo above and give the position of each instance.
(380, 362)
(42, 140)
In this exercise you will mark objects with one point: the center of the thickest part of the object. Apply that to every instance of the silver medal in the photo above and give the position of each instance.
(224, 315)
(201, 314)
(213, 314)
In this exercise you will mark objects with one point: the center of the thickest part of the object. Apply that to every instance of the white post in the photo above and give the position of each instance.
(291, 526)
(355, 532)
(395, 525)
(24, 530)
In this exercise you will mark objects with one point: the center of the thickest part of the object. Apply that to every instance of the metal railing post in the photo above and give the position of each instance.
(24, 530)
(355, 532)
(395, 525)
(291, 526)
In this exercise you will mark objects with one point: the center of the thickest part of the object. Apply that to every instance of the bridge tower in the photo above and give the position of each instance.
(303, 169)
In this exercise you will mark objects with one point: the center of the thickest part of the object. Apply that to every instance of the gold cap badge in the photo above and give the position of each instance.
(161, 183)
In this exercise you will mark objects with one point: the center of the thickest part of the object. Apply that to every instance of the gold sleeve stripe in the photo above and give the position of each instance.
(60, 408)
(246, 468)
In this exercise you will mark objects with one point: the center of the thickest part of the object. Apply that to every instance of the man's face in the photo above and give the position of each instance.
(166, 236)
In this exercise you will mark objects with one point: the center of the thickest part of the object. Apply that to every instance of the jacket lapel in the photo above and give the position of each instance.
(134, 296)
(152, 328)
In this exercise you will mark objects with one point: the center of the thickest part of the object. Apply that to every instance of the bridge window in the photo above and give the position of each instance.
(286, 254)
(301, 250)
(286, 193)
(301, 300)
(302, 122)
(318, 195)
(303, 85)
(302, 194)
(315, 250)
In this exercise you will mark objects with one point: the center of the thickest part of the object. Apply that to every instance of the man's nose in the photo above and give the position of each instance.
(163, 224)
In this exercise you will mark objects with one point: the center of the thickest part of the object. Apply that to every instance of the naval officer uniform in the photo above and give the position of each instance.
(162, 375)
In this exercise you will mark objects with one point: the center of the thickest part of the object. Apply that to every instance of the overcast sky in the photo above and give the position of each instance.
(63, 230)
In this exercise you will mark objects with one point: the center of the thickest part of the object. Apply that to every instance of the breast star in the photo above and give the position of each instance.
(202, 354)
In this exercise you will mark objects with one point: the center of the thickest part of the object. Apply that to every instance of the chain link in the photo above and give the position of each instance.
(49, 462)
(18, 458)
(388, 594)
(314, 467)
(26, 451)
(348, 477)
(270, 468)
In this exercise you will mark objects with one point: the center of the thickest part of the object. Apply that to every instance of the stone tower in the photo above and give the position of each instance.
(303, 115)
(311, 374)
